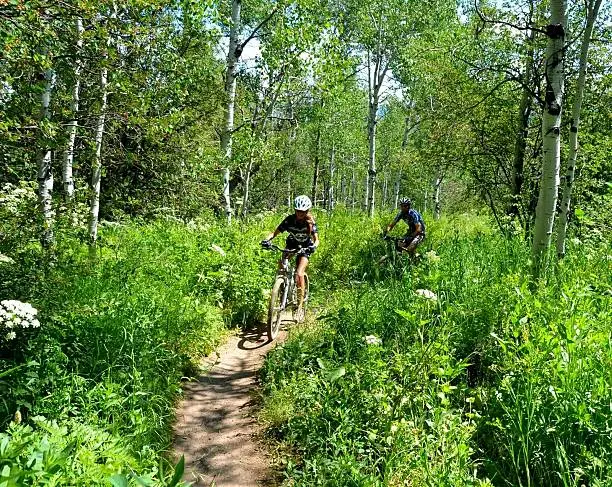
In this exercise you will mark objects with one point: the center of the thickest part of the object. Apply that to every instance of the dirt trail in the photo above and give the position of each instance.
(216, 428)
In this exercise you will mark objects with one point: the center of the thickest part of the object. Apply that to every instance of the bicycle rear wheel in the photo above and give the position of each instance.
(276, 307)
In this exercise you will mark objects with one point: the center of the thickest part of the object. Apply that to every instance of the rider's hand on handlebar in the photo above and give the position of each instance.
(266, 244)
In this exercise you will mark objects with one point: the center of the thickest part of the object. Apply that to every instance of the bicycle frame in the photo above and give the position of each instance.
(396, 240)
(285, 274)
(286, 271)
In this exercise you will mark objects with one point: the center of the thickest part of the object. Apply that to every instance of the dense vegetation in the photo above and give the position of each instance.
(491, 380)
(94, 386)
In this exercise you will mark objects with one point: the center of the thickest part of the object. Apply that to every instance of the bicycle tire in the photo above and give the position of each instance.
(275, 308)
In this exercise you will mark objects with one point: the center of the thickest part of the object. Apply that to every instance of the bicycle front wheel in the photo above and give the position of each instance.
(276, 307)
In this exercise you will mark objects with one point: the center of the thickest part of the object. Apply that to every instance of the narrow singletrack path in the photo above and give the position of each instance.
(216, 428)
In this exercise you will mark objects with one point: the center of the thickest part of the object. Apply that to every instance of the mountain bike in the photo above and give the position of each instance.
(284, 292)
(399, 249)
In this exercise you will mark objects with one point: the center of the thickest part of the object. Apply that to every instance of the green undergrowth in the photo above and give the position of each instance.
(95, 386)
(497, 381)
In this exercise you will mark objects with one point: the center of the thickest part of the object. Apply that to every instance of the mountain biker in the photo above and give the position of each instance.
(303, 234)
(416, 227)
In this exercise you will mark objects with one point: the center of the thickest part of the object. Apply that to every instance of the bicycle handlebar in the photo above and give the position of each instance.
(290, 251)
(394, 239)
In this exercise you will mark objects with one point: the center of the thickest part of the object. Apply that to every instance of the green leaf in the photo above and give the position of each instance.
(142, 482)
(335, 374)
(119, 480)
(321, 363)
(178, 472)
(11, 370)
(405, 314)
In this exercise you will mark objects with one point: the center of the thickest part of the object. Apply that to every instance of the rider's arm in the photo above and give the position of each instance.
(273, 234)
(392, 224)
(315, 239)
(280, 229)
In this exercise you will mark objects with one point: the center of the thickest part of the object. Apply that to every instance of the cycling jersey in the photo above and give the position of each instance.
(300, 232)
(411, 217)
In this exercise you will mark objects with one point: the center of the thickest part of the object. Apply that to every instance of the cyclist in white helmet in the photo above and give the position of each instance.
(416, 226)
(303, 234)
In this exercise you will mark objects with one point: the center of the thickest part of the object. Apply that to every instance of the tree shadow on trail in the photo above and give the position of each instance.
(253, 335)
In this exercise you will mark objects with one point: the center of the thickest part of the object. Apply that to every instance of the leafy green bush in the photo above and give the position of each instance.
(118, 335)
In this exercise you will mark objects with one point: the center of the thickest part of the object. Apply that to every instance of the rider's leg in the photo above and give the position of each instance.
(299, 281)
(412, 246)
(404, 245)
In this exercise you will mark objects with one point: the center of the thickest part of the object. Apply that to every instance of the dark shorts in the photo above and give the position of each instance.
(291, 244)
(411, 243)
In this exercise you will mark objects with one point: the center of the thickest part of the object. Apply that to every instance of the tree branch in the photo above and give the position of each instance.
(243, 44)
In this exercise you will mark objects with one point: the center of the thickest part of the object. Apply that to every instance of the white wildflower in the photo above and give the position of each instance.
(372, 340)
(427, 294)
(16, 315)
(218, 249)
(431, 256)
(5, 259)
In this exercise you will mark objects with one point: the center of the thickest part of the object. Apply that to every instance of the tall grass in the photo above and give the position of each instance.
(97, 384)
(498, 381)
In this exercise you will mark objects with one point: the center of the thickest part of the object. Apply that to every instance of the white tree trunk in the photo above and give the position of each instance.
(289, 197)
(45, 173)
(551, 127)
(315, 173)
(372, 156)
(366, 198)
(72, 124)
(437, 207)
(96, 173)
(592, 11)
(398, 183)
(332, 170)
(385, 190)
(376, 77)
(226, 194)
(233, 54)
(353, 186)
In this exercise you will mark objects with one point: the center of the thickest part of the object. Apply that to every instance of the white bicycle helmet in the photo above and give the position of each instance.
(405, 201)
(302, 203)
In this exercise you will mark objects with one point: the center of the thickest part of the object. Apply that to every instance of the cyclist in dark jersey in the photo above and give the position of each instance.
(416, 226)
(303, 234)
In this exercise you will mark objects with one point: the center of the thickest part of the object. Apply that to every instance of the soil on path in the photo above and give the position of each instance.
(216, 428)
